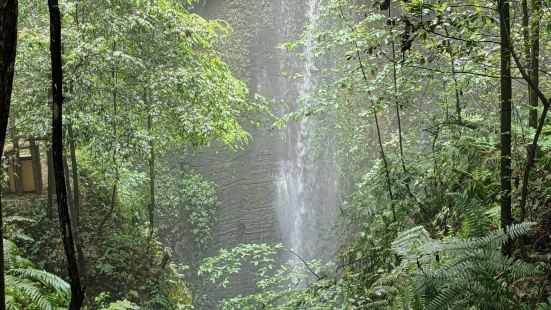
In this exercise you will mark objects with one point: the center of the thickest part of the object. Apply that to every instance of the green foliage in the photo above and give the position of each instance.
(117, 305)
(28, 287)
(410, 94)
(188, 206)
(439, 173)
(545, 306)
(428, 274)
(454, 273)
(143, 79)
(228, 262)
(116, 258)
(290, 285)
(121, 305)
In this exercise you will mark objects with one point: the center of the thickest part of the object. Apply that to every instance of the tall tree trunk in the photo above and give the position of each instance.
(454, 76)
(534, 49)
(8, 43)
(506, 94)
(77, 293)
(76, 203)
(525, 31)
(114, 77)
(151, 185)
(69, 187)
(51, 184)
(532, 149)
(151, 162)
(455, 83)
(74, 175)
(17, 169)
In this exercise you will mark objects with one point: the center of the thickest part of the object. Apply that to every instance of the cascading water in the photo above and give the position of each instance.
(283, 186)
(306, 183)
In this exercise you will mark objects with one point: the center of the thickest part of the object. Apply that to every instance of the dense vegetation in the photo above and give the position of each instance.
(439, 112)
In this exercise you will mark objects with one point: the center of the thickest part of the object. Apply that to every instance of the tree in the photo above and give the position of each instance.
(534, 48)
(8, 43)
(506, 96)
(169, 89)
(77, 293)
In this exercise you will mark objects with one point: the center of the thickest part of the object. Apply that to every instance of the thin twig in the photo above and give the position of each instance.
(306, 264)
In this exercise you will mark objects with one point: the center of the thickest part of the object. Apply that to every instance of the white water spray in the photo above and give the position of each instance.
(306, 195)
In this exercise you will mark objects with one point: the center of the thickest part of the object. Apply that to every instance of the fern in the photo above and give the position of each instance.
(45, 278)
(30, 288)
(453, 273)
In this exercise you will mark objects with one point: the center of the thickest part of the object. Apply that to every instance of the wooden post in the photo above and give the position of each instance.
(37, 169)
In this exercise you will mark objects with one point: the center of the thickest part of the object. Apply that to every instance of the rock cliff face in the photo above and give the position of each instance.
(276, 189)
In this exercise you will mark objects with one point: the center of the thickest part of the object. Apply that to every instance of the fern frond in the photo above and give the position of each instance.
(44, 277)
(24, 289)
(26, 285)
(455, 273)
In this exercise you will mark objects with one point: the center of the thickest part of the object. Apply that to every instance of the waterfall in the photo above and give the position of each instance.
(283, 187)
(306, 184)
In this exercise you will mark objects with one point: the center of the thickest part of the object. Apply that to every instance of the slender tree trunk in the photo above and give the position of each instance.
(525, 31)
(532, 149)
(534, 77)
(506, 94)
(74, 169)
(114, 77)
(8, 43)
(454, 77)
(455, 84)
(70, 202)
(77, 293)
(51, 185)
(115, 145)
(76, 202)
(380, 140)
(377, 127)
(534, 49)
(151, 162)
(385, 164)
(151, 185)
(397, 107)
(17, 169)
